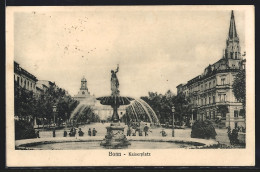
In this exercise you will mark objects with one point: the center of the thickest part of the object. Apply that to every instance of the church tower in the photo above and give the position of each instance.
(84, 95)
(232, 50)
(84, 84)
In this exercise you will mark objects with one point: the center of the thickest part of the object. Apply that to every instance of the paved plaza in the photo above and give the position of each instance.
(221, 137)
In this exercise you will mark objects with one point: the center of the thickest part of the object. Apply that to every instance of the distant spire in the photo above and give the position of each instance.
(232, 28)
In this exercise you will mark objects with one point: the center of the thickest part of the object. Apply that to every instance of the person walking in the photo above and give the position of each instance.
(89, 132)
(65, 133)
(146, 129)
(129, 130)
(94, 132)
(53, 133)
(81, 133)
(38, 134)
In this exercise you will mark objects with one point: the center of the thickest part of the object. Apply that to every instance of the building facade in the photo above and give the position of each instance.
(211, 94)
(24, 79)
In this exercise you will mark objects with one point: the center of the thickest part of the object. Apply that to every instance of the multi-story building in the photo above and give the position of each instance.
(210, 93)
(24, 79)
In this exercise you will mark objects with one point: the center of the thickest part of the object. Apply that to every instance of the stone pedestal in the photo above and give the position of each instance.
(115, 137)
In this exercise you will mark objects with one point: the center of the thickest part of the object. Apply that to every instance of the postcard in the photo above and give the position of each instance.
(130, 86)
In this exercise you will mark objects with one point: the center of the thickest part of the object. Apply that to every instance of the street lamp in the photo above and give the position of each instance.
(54, 108)
(173, 110)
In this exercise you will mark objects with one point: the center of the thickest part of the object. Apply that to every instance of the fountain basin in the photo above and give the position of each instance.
(84, 143)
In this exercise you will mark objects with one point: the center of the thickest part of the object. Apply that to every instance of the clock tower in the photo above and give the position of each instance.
(84, 84)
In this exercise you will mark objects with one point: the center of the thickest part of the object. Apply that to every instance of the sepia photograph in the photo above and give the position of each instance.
(130, 85)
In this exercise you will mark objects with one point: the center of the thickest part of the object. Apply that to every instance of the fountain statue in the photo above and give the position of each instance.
(115, 137)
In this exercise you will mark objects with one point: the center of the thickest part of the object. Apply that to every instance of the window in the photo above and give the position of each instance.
(214, 83)
(235, 113)
(222, 97)
(223, 81)
(205, 86)
(213, 99)
(209, 84)
(201, 87)
(213, 115)
(201, 101)
(209, 100)
(205, 100)
(235, 55)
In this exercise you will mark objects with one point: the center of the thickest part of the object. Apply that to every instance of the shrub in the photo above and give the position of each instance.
(24, 130)
(203, 129)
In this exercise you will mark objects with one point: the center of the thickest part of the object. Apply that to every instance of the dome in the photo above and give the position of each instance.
(139, 111)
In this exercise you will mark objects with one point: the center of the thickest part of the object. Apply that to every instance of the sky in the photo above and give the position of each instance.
(156, 48)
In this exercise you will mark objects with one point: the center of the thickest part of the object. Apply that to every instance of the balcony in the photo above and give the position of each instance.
(225, 86)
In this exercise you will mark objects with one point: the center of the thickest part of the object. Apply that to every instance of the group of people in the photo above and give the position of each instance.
(132, 130)
(233, 135)
(93, 133)
(136, 130)
(73, 132)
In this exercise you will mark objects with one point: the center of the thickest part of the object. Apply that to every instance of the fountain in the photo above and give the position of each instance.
(139, 110)
(115, 137)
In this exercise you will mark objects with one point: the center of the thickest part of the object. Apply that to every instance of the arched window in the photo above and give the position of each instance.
(235, 55)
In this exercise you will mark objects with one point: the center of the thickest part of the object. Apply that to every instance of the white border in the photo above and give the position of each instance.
(181, 157)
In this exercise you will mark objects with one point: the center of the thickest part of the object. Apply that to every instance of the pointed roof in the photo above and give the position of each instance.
(232, 28)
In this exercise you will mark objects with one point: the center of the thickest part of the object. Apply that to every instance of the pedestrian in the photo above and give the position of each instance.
(89, 132)
(72, 132)
(53, 133)
(94, 132)
(65, 133)
(81, 133)
(129, 130)
(38, 134)
(146, 129)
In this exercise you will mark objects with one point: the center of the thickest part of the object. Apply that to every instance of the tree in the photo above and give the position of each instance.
(28, 105)
(24, 103)
(239, 87)
(223, 109)
(161, 104)
(183, 108)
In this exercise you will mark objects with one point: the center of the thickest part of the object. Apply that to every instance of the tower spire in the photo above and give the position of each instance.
(232, 28)
(232, 50)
